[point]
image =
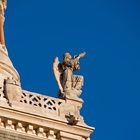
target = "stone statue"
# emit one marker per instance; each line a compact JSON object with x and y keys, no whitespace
{"x":69,"y":85}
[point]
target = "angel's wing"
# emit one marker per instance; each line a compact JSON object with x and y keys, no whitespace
{"x":57,"y":72}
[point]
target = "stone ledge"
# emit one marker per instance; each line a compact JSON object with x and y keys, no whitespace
{"x":13,"y":135}
{"x":14,"y":117}
{"x":36,"y":114}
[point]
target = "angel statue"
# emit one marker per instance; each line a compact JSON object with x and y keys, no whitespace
{"x":69,"y":85}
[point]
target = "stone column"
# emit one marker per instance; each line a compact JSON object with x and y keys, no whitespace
{"x":2,"y":39}
{"x":2,"y":18}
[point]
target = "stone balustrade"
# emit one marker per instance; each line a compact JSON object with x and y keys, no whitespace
{"x":45,"y":103}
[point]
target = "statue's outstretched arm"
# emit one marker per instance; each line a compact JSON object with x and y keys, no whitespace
{"x":80,"y":56}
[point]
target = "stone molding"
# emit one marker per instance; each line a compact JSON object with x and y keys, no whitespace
{"x":42,"y":127}
{"x":41,"y":116}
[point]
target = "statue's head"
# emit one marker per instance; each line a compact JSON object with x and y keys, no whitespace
{"x":67,"y":55}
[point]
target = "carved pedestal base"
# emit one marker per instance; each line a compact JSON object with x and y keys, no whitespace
{"x":71,"y":110}
{"x":12,"y":91}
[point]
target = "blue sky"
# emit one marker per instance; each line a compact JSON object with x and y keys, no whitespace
{"x":109,"y":31}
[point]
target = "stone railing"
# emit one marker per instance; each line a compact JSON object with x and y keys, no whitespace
{"x":13,"y":97}
{"x":44,"y":102}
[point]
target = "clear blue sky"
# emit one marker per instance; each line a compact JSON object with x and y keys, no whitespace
{"x":109,"y":31}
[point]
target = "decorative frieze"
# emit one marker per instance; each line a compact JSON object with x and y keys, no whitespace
{"x":33,"y":130}
{"x":24,"y":128}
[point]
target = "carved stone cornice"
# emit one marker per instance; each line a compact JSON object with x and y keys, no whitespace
{"x":38,"y":115}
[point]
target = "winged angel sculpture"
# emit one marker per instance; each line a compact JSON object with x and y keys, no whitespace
{"x":69,"y":85}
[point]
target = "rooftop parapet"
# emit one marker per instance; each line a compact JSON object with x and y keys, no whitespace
{"x":42,"y":116}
